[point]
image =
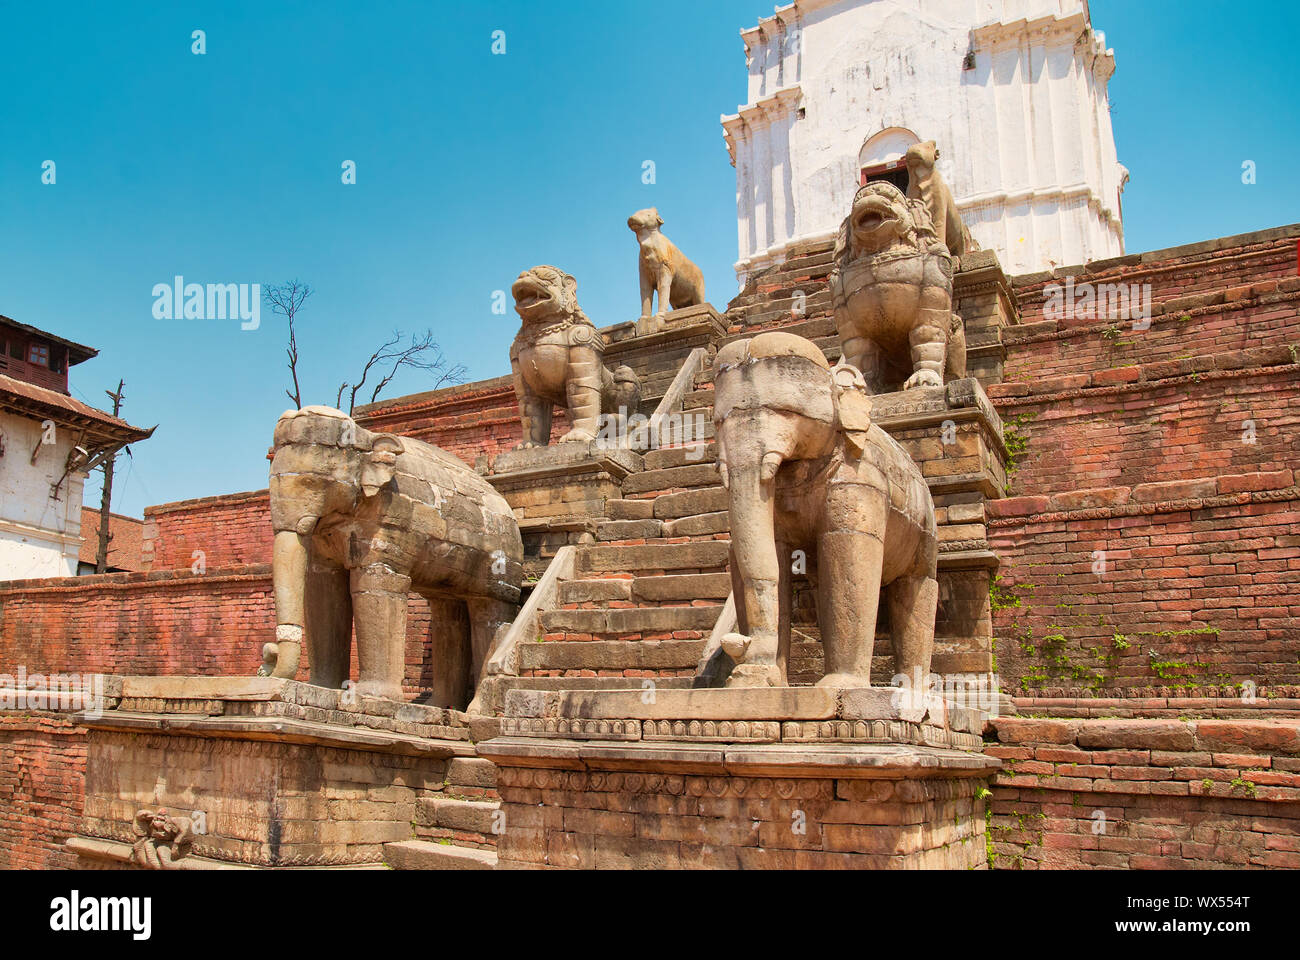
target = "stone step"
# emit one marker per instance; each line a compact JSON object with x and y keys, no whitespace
{"x":696,"y":556}
{"x":666,"y":458}
{"x":611,"y":655}
{"x":690,"y":503}
{"x":660,"y":589}
{"x":700,"y":525}
{"x":672,"y":478}
{"x":630,"y":509}
{"x":428,"y":855}
{"x":616,"y":621}
{"x":698,"y":400}
{"x":615,"y":530}
{"x":468,"y":816}
{"x":472,"y":772}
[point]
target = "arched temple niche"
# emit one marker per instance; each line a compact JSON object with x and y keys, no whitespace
{"x":884,"y":157}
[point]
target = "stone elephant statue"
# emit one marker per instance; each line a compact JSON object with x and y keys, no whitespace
{"x":361,"y":520}
{"x":805,"y":467}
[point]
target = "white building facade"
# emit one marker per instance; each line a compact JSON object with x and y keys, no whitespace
{"x":40,"y":506}
{"x":1014,"y":92}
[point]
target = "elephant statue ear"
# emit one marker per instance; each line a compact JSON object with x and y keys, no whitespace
{"x":380,"y":464}
{"x":854,"y":404}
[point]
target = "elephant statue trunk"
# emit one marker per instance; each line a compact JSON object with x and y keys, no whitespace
{"x":289,"y":561}
{"x":751,"y":491}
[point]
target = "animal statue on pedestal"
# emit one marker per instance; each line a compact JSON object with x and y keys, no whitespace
{"x":361,"y":521}
{"x":891,"y":290}
{"x":805,"y":468}
{"x":557,"y":359}
{"x":664,"y":269}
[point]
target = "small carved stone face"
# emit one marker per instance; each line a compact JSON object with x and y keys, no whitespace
{"x":880,"y":216}
{"x":645,"y":220}
{"x":543,"y":293}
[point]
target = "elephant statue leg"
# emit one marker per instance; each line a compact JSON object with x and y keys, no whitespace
{"x":486,"y":618}
{"x":850,"y":562}
{"x":449,"y":640}
{"x":913,"y":602}
{"x":329,"y":622}
{"x":379,"y":598}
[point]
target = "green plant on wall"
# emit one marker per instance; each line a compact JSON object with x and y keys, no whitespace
{"x":1016,"y":439}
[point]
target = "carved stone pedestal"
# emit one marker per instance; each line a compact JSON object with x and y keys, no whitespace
{"x":956,"y":437}
{"x":257,"y":772}
{"x":558,"y":494}
{"x":982,"y":297}
{"x":804,"y":778}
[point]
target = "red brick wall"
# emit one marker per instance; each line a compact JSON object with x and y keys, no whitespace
{"x":42,"y":768}
{"x":1200,"y":588}
{"x":478,"y":420}
{"x":168,"y":624}
{"x":229,"y":530}
{"x":1087,"y":430}
{"x":1146,"y":794}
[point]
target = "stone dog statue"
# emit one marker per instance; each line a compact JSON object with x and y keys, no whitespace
{"x":925,"y":183}
{"x":557,"y":359}
{"x":361,"y":521}
{"x":664,"y":269}
{"x":804,"y":467}
{"x":891,"y":288}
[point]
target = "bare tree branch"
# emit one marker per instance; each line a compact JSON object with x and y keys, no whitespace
{"x":286,"y":300}
{"x":421,"y":353}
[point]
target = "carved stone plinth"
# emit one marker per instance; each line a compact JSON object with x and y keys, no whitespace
{"x":956,"y":437}
{"x":982,"y":297}
{"x":558,"y":494}
{"x":778,"y":778}
{"x":257,"y":772}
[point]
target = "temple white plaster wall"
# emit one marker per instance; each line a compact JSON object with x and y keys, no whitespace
{"x":40,"y":536}
{"x":1013,"y":91}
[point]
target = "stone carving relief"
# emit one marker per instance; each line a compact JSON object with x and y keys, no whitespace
{"x":163,"y":839}
{"x":805,"y":469}
{"x":557,"y":358}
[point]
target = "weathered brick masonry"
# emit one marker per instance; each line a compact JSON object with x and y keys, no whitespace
{"x":1143,"y":793}
{"x":42,"y":772}
{"x":1166,"y":455}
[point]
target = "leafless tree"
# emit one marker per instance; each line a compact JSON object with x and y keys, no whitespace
{"x":421,"y":353}
{"x":286,"y":299}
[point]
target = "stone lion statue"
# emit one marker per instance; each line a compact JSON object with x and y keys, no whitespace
{"x":891,"y":287}
{"x":557,"y":359}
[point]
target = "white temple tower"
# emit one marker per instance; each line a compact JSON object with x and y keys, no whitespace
{"x":1013,"y":91}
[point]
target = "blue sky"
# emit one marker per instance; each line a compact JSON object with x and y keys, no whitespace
{"x":470,"y":167}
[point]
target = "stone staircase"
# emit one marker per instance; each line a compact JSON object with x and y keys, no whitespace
{"x":458,"y":830}
{"x":647,"y":593}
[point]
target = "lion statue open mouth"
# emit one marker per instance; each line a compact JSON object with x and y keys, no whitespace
{"x":892,"y":292}
{"x":557,"y":359}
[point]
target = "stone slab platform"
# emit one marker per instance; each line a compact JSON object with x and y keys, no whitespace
{"x":279,"y":774}
{"x":796,"y":715}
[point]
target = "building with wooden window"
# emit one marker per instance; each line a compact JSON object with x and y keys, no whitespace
{"x":49,"y":443}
